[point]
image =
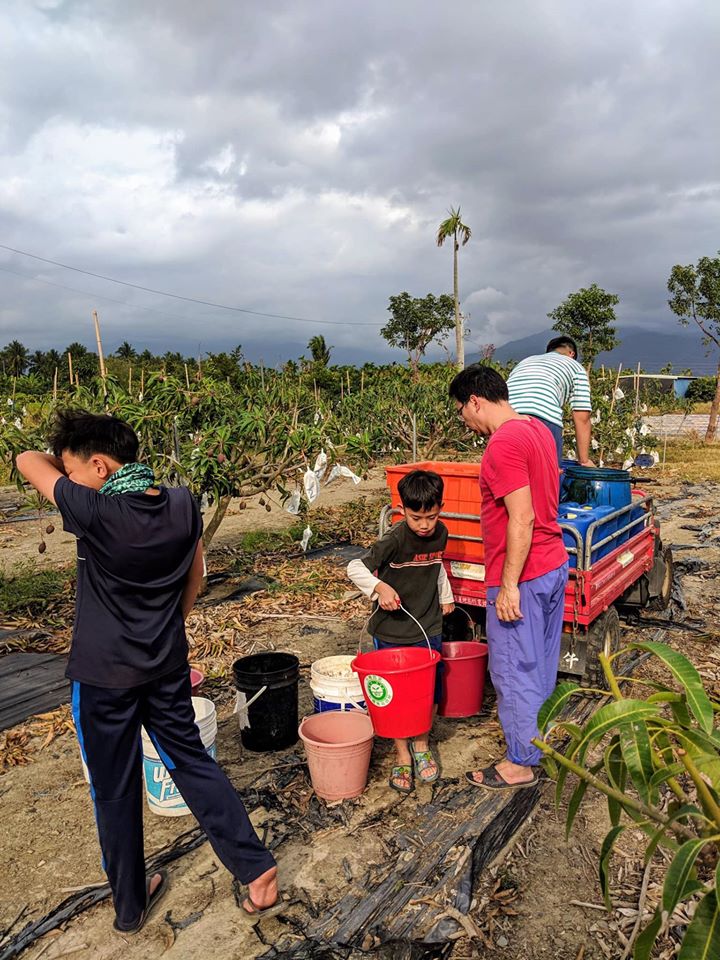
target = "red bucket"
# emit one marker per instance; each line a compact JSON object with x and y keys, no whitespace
{"x":463,"y":678}
{"x":399,"y":684}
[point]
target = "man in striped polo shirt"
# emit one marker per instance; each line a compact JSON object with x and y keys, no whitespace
{"x":540,"y":387}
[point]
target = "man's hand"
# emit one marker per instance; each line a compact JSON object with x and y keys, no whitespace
{"x":447,"y":608}
{"x":387,"y":596}
{"x":507,"y":605}
{"x":587,"y":463}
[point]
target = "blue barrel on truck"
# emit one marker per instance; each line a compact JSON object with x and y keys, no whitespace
{"x":596,"y":486}
{"x":581,"y":516}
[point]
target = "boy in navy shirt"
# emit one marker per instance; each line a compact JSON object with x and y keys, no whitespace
{"x":140,"y":564}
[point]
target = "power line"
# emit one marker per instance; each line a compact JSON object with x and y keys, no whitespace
{"x":93,"y":296}
{"x":177,"y":296}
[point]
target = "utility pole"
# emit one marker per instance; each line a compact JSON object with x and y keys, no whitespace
{"x":100,"y":350}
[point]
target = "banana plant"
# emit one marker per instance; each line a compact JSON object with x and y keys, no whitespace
{"x":656,"y":758}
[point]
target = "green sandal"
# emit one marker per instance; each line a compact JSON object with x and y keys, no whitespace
{"x":422,"y":761}
{"x":400,"y":772}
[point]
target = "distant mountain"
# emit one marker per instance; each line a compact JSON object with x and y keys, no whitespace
{"x":652,"y":349}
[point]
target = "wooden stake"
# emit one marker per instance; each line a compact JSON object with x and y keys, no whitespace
{"x":103,"y":374}
{"x":664,"y":450}
{"x":348,"y":381}
{"x":55,"y":384}
{"x":637,"y":390}
{"x":70,"y":369}
{"x":142,"y":380}
{"x":612,"y":405}
{"x":617,"y":381}
{"x":262,"y":374}
{"x":362,"y":381}
{"x":130,"y":378}
{"x":187,"y":376}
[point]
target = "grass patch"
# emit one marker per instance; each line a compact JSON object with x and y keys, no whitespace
{"x":267,"y":541}
{"x":29,"y":591}
{"x":692,"y":460}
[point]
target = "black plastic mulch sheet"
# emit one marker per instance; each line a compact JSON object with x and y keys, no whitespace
{"x":31,"y":683}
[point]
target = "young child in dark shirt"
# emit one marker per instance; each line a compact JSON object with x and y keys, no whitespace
{"x":140,"y":564}
{"x":405,"y":567}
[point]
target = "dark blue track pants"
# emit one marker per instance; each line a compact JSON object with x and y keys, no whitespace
{"x":108,"y":727}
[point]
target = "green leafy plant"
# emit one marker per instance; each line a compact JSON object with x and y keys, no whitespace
{"x":657,"y":760}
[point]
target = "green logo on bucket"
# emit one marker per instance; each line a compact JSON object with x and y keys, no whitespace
{"x":379,"y":691}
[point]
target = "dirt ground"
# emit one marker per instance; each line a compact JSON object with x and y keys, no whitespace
{"x":19,"y":541}
{"x":541,"y":900}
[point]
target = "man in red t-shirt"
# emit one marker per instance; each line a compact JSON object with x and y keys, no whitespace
{"x":526,"y":566}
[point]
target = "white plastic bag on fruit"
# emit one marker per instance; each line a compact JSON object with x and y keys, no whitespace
{"x":340,"y":471}
{"x":312,"y":487}
{"x":307,"y":534}
{"x":293,"y":504}
{"x":320,"y":465}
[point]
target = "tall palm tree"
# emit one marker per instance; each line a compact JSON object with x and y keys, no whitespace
{"x":16,"y":356}
{"x":126,"y":351}
{"x":460,"y":233}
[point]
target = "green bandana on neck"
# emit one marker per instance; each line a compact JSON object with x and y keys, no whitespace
{"x":130,"y":478}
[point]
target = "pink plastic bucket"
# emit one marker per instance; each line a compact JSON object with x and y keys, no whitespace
{"x":196,"y":681}
{"x":338,"y":747}
{"x":463,"y":678}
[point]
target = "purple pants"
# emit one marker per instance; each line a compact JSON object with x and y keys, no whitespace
{"x":523,"y":659}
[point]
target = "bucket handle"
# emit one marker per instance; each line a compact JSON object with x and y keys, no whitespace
{"x":405,"y":610}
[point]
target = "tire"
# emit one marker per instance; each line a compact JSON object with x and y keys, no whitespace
{"x":602,"y":637}
{"x":662,"y":601}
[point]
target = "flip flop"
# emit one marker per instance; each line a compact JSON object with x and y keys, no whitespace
{"x":401,"y":770}
{"x":261,"y":913}
{"x":421,"y":760}
{"x":492,"y":780}
{"x":152,"y":901}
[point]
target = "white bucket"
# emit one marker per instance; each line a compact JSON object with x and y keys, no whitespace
{"x":163,"y":796}
{"x":335,"y":685}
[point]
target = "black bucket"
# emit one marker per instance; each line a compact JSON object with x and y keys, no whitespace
{"x":273,"y":716}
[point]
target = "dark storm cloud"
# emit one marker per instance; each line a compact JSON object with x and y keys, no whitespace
{"x":297,"y":157}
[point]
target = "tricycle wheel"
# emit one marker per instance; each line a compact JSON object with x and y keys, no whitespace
{"x":662,"y":600}
{"x":602,"y":637}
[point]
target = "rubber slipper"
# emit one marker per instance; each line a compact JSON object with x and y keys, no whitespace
{"x":152,"y":901}
{"x":402,"y":770}
{"x":421,"y":759}
{"x":261,"y":913}
{"x":492,"y":780}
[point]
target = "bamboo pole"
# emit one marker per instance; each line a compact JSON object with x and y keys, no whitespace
{"x":612,"y":407}
{"x":130,"y":378}
{"x":362,"y":381}
{"x":637,"y":389}
{"x":103,"y":374}
{"x":187,"y":376}
{"x":348,"y":381}
{"x":142,"y":380}
{"x":55,"y":378}
{"x":70,"y":369}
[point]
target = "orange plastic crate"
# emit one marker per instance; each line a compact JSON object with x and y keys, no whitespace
{"x":462,"y":496}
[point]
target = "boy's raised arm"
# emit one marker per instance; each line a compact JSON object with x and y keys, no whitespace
{"x":42,"y":470}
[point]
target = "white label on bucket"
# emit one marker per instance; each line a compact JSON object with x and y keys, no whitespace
{"x":378,"y":690}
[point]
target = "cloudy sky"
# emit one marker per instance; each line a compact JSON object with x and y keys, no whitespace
{"x":295,"y":157}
